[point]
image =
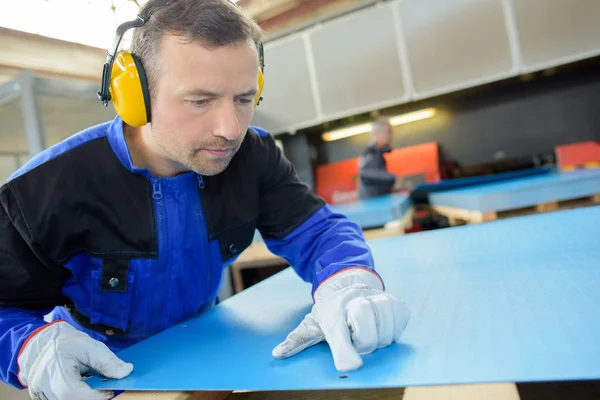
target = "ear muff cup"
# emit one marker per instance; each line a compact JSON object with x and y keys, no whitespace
{"x":261,"y":84}
{"x":144,"y":83}
{"x":129,"y":90}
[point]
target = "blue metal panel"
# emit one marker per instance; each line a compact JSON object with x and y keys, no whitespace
{"x":508,"y":301}
{"x":521,"y":192}
{"x":420,"y":193}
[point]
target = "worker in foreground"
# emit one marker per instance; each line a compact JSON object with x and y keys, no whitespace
{"x":124,"y":229}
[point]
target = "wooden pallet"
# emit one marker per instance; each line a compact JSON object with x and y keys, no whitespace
{"x":255,"y":256}
{"x":458,"y":216}
{"x":393,"y":228}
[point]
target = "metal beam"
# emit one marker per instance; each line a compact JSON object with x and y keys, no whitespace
{"x":48,"y":56}
{"x":17,"y":163}
{"x":9,"y":91}
{"x":258,"y":8}
{"x":32,"y":113}
{"x":63,"y":87}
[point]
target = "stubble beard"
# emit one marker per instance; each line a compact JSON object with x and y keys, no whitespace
{"x":190,"y":160}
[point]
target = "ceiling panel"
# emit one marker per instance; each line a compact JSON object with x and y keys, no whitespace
{"x":288,"y":95}
{"x":556,"y":31}
{"x":455,"y":44}
{"x":357,"y":62}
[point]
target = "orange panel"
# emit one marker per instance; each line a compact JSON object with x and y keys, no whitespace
{"x":337,"y":182}
{"x":421,"y":159}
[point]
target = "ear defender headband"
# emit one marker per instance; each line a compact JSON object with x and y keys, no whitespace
{"x":124,"y":81}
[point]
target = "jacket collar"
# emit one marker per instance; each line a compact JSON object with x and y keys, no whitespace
{"x":117,"y":140}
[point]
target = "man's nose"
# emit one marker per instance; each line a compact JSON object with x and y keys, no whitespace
{"x":226,"y":123}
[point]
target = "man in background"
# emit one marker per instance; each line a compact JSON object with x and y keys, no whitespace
{"x":374,"y":179}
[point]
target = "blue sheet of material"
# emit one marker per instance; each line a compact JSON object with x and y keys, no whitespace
{"x":375,"y":211}
{"x":522,"y":192}
{"x":514,"y":300}
{"x":421,"y":192}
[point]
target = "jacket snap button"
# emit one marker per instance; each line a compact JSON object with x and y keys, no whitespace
{"x":113,"y":282}
{"x":109,"y":332}
{"x":233,"y":249}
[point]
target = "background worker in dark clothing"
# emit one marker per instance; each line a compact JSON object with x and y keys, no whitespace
{"x":374,"y":179}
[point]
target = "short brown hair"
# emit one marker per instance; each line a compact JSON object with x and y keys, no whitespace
{"x":214,"y":23}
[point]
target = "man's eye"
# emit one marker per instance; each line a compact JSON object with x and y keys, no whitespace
{"x":245,"y":101}
{"x":200,"y":102}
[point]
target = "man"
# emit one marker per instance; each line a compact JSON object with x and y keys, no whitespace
{"x":374,"y":179}
{"x":123,"y":231}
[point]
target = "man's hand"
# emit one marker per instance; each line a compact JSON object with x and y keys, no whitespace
{"x":399,"y":184}
{"x":351,"y":313}
{"x":52,"y":361}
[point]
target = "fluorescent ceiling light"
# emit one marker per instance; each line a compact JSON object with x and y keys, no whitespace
{"x":366,"y":128}
{"x":412,"y":117}
{"x":346,"y":132}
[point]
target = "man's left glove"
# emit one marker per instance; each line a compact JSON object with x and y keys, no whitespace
{"x":353,"y":314}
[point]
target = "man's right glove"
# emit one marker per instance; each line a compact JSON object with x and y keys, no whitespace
{"x":52,"y":361}
{"x":353,"y":314}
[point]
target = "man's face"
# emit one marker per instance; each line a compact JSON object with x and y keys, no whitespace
{"x":203,"y":103}
{"x":383,"y":136}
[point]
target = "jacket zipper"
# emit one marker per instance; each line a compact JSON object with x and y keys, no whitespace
{"x":162,"y":244}
{"x":203,"y":233}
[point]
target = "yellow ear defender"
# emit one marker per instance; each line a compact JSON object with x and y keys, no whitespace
{"x":261,"y":77}
{"x":124,"y":81}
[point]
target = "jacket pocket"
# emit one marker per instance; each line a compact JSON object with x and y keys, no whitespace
{"x":234,"y":241}
{"x":112,"y":294}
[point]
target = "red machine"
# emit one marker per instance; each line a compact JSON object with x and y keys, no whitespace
{"x":578,"y":155}
{"x":338,"y":182}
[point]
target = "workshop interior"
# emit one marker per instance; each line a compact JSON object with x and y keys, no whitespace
{"x":482,"y":209}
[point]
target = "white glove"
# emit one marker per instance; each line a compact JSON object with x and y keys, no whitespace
{"x":353,"y":314}
{"x":52,"y":361}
